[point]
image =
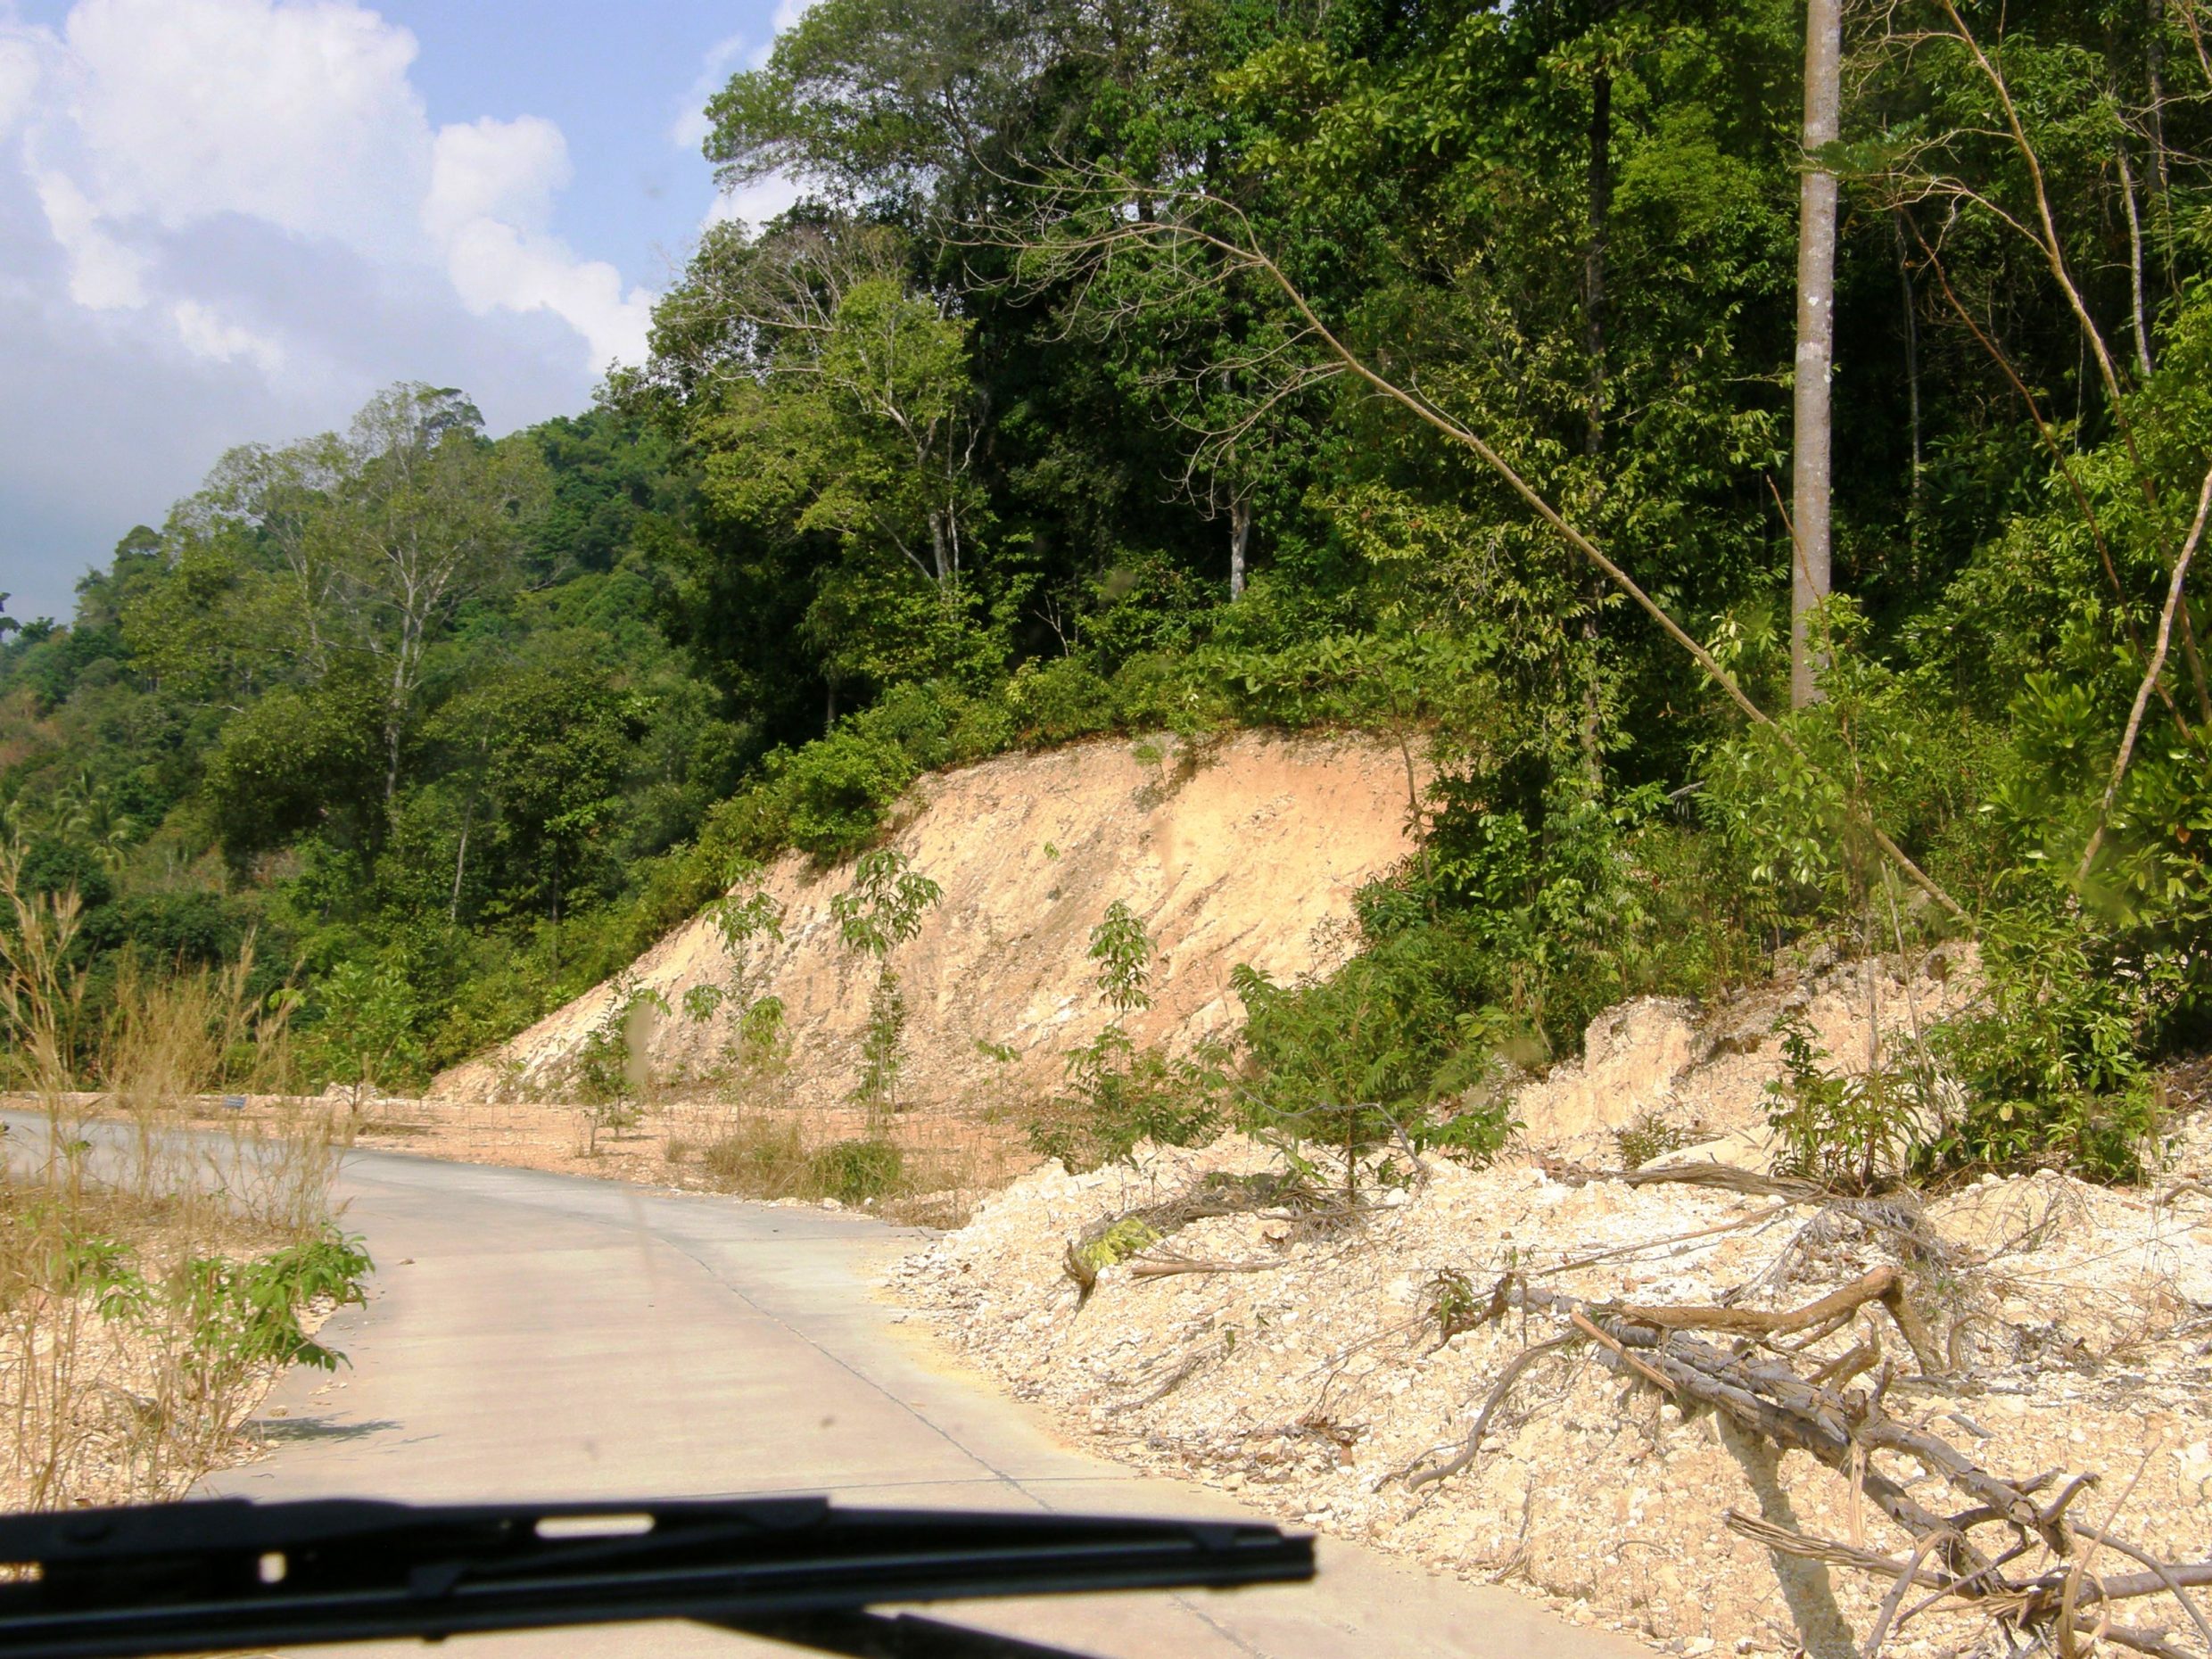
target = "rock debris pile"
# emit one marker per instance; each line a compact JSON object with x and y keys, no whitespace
{"x":1202,"y":1313}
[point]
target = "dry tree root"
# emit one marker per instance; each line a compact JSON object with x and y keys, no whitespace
{"x":1960,"y":1558}
{"x":1424,"y":1474}
{"x":1083,"y":1275}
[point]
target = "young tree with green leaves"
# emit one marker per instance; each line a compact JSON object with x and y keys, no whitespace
{"x":882,"y":910}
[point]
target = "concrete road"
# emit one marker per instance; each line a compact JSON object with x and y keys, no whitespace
{"x":534,"y":1335}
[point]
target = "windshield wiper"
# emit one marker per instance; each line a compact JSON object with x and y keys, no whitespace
{"x":227,"y":1573}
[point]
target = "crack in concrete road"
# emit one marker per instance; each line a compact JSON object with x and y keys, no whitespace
{"x":532,"y":1336}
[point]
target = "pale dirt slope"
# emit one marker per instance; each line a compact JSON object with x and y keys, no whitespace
{"x":1247,"y":851}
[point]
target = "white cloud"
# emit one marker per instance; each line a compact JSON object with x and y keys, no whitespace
{"x":787,"y":14}
{"x":689,"y":130}
{"x":20,"y":55}
{"x":298,"y":114}
{"x":496,"y":267}
{"x":491,"y":194}
{"x":103,"y":276}
{"x":761,"y":200}
{"x":757,"y":203}
{"x":227,"y":221}
{"x":491,"y":168}
{"x":205,"y":335}
{"x":147,"y":119}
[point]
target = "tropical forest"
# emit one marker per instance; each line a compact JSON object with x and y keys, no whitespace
{"x":1756,"y":457}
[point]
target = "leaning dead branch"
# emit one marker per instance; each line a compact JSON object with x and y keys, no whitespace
{"x":1167,"y":1267}
{"x":1084,"y":227}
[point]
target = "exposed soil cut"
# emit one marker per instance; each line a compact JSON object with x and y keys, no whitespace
{"x":1246,"y":850}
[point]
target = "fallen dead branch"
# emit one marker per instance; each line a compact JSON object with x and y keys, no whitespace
{"x":1728,"y":1177}
{"x":1884,"y":1284}
{"x":1756,"y":1218}
{"x":1167,"y":1267}
{"x":1961,"y":1557}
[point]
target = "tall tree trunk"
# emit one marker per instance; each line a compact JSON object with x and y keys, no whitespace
{"x":2154,"y":78}
{"x":2134,"y":261}
{"x":1916,"y":502}
{"x":460,"y":863}
{"x":1810,"y":473}
{"x":1240,"y":541}
{"x":940,"y":550}
{"x":1594,"y":251}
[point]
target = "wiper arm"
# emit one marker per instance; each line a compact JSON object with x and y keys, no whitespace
{"x":224,"y":1574}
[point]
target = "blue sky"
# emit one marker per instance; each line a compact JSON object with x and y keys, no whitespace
{"x":232,"y":220}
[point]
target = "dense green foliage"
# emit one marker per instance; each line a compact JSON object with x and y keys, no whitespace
{"x":1004,"y":437}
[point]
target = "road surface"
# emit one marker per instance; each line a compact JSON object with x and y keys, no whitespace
{"x":532,"y":1336}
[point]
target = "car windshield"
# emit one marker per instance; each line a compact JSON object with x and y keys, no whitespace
{"x":1189,"y":828}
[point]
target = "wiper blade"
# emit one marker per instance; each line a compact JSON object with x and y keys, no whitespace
{"x":228,"y":1573}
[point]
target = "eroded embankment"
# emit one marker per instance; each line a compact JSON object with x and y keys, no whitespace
{"x":1245,"y":850}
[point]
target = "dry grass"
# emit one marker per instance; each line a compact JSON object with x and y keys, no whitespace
{"x":748,"y":1147}
{"x":926,"y":1167}
{"x":153,"y":1272}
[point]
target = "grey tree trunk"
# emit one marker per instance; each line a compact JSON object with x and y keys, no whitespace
{"x":2154,"y":78}
{"x":940,"y":549}
{"x":1593,"y":253}
{"x":460,"y":863}
{"x":1915,"y":511}
{"x":1810,"y":472}
{"x":2135,"y":262}
{"x":1240,"y":541}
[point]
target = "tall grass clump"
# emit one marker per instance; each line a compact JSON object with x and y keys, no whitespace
{"x":154,"y":1274}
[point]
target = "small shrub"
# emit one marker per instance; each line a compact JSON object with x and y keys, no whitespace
{"x":1455,"y":1304}
{"x":759,"y":1052}
{"x":1059,"y":701}
{"x":882,"y":910}
{"x":1851,"y":1134}
{"x":882,"y":1047}
{"x":829,"y":798}
{"x":365,"y":1035}
{"x":245,"y":1314}
{"x":1123,"y":952}
{"x":1119,"y":1095}
{"x":856,"y":1172}
{"x":2054,"y":1073}
{"x":1472,"y":1136}
{"x":1126,"y":1238}
{"x":746,"y":913}
{"x":1334,"y":1064}
{"x":612,"y":1066}
{"x":1156,"y":691}
{"x":1650,"y":1134}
